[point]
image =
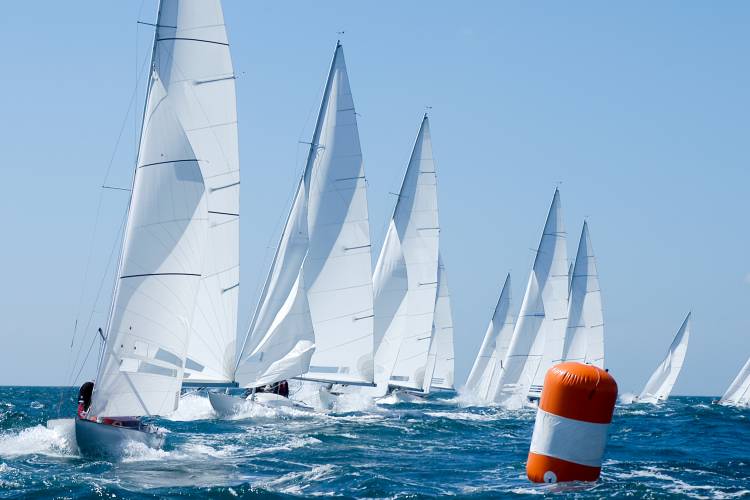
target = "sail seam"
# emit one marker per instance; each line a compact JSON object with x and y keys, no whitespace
{"x":191,"y":40}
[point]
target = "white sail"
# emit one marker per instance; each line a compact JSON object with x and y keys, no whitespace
{"x":738,"y":393}
{"x":488,"y":363}
{"x":319,"y":288}
{"x":584,"y":340}
{"x":440,"y":364}
{"x":539,"y":333}
{"x":659,"y":386}
{"x":486,"y":357}
{"x":338,"y":266}
{"x":281,"y":338}
{"x":161,"y":265}
{"x":195,"y":67}
{"x":405,"y":277}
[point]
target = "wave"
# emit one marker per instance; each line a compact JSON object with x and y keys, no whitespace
{"x":192,"y":407}
{"x":38,"y":440}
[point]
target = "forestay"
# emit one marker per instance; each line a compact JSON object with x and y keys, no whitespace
{"x":738,"y":393}
{"x":660,"y":385}
{"x":440,"y":364}
{"x":195,"y":66}
{"x":405,"y":276}
{"x":539,"y":333}
{"x":584,"y":340}
{"x":161,"y":264}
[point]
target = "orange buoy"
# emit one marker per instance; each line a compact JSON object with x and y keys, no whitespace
{"x":570,"y":432}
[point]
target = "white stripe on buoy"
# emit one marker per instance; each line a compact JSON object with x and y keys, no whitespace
{"x":567,"y":439}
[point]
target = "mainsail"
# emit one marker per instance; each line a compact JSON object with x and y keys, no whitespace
{"x":406,"y":275}
{"x":319,"y":288}
{"x":584,"y":340}
{"x":489,"y":361}
{"x":738,"y":393}
{"x":659,"y":386}
{"x":195,"y":67}
{"x":440,"y":364}
{"x":539,"y":333}
{"x":164,"y":246}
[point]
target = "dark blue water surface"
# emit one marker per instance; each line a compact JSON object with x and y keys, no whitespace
{"x":684,"y":448}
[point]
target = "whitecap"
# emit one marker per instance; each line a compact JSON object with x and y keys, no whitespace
{"x":37,"y":440}
{"x":192,"y":407}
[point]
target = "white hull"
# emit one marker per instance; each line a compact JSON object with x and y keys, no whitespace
{"x":96,"y":439}
{"x":226,"y":406}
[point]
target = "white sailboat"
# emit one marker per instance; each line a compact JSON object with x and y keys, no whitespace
{"x":738,"y":393}
{"x":440,"y":360}
{"x":315,"y":316}
{"x":661,"y":382}
{"x":166,"y":255}
{"x":584,"y":340}
{"x":539,"y":333}
{"x":488,"y":365}
{"x":406,"y":277}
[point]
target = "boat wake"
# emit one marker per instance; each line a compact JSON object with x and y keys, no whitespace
{"x":192,"y":407}
{"x":38,"y":440}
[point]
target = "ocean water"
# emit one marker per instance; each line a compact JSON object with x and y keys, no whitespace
{"x":684,"y":448}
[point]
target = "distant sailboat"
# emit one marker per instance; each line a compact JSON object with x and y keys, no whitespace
{"x":539,"y":333}
{"x":406,"y":277}
{"x":440,"y":361}
{"x":169,"y":244}
{"x":488,"y":365}
{"x":584,"y":340}
{"x":660,"y":385}
{"x":315,"y":316}
{"x":738,"y":393}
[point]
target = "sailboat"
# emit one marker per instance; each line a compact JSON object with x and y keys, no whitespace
{"x":406,"y":277}
{"x":584,"y":340}
{"x":538,"y":337}
{"x":738,"y":393}
{"x":485,"y":372}
{"x":314,"y":320}
{"x":661,"y":382}
{"x":440,"y":359}
{"x":189,"y":122}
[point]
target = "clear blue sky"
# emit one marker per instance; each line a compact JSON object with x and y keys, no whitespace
{"x":640,"y":110}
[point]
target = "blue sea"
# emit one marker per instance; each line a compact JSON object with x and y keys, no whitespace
{"x":686,"y":448}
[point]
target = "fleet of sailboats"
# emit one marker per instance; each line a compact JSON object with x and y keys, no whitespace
{"x":323,"y":316}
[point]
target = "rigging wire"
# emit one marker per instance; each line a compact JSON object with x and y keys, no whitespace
{"x":97,"y":220}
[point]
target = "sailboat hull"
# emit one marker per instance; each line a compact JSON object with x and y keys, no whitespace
{"x":103,"y":440}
